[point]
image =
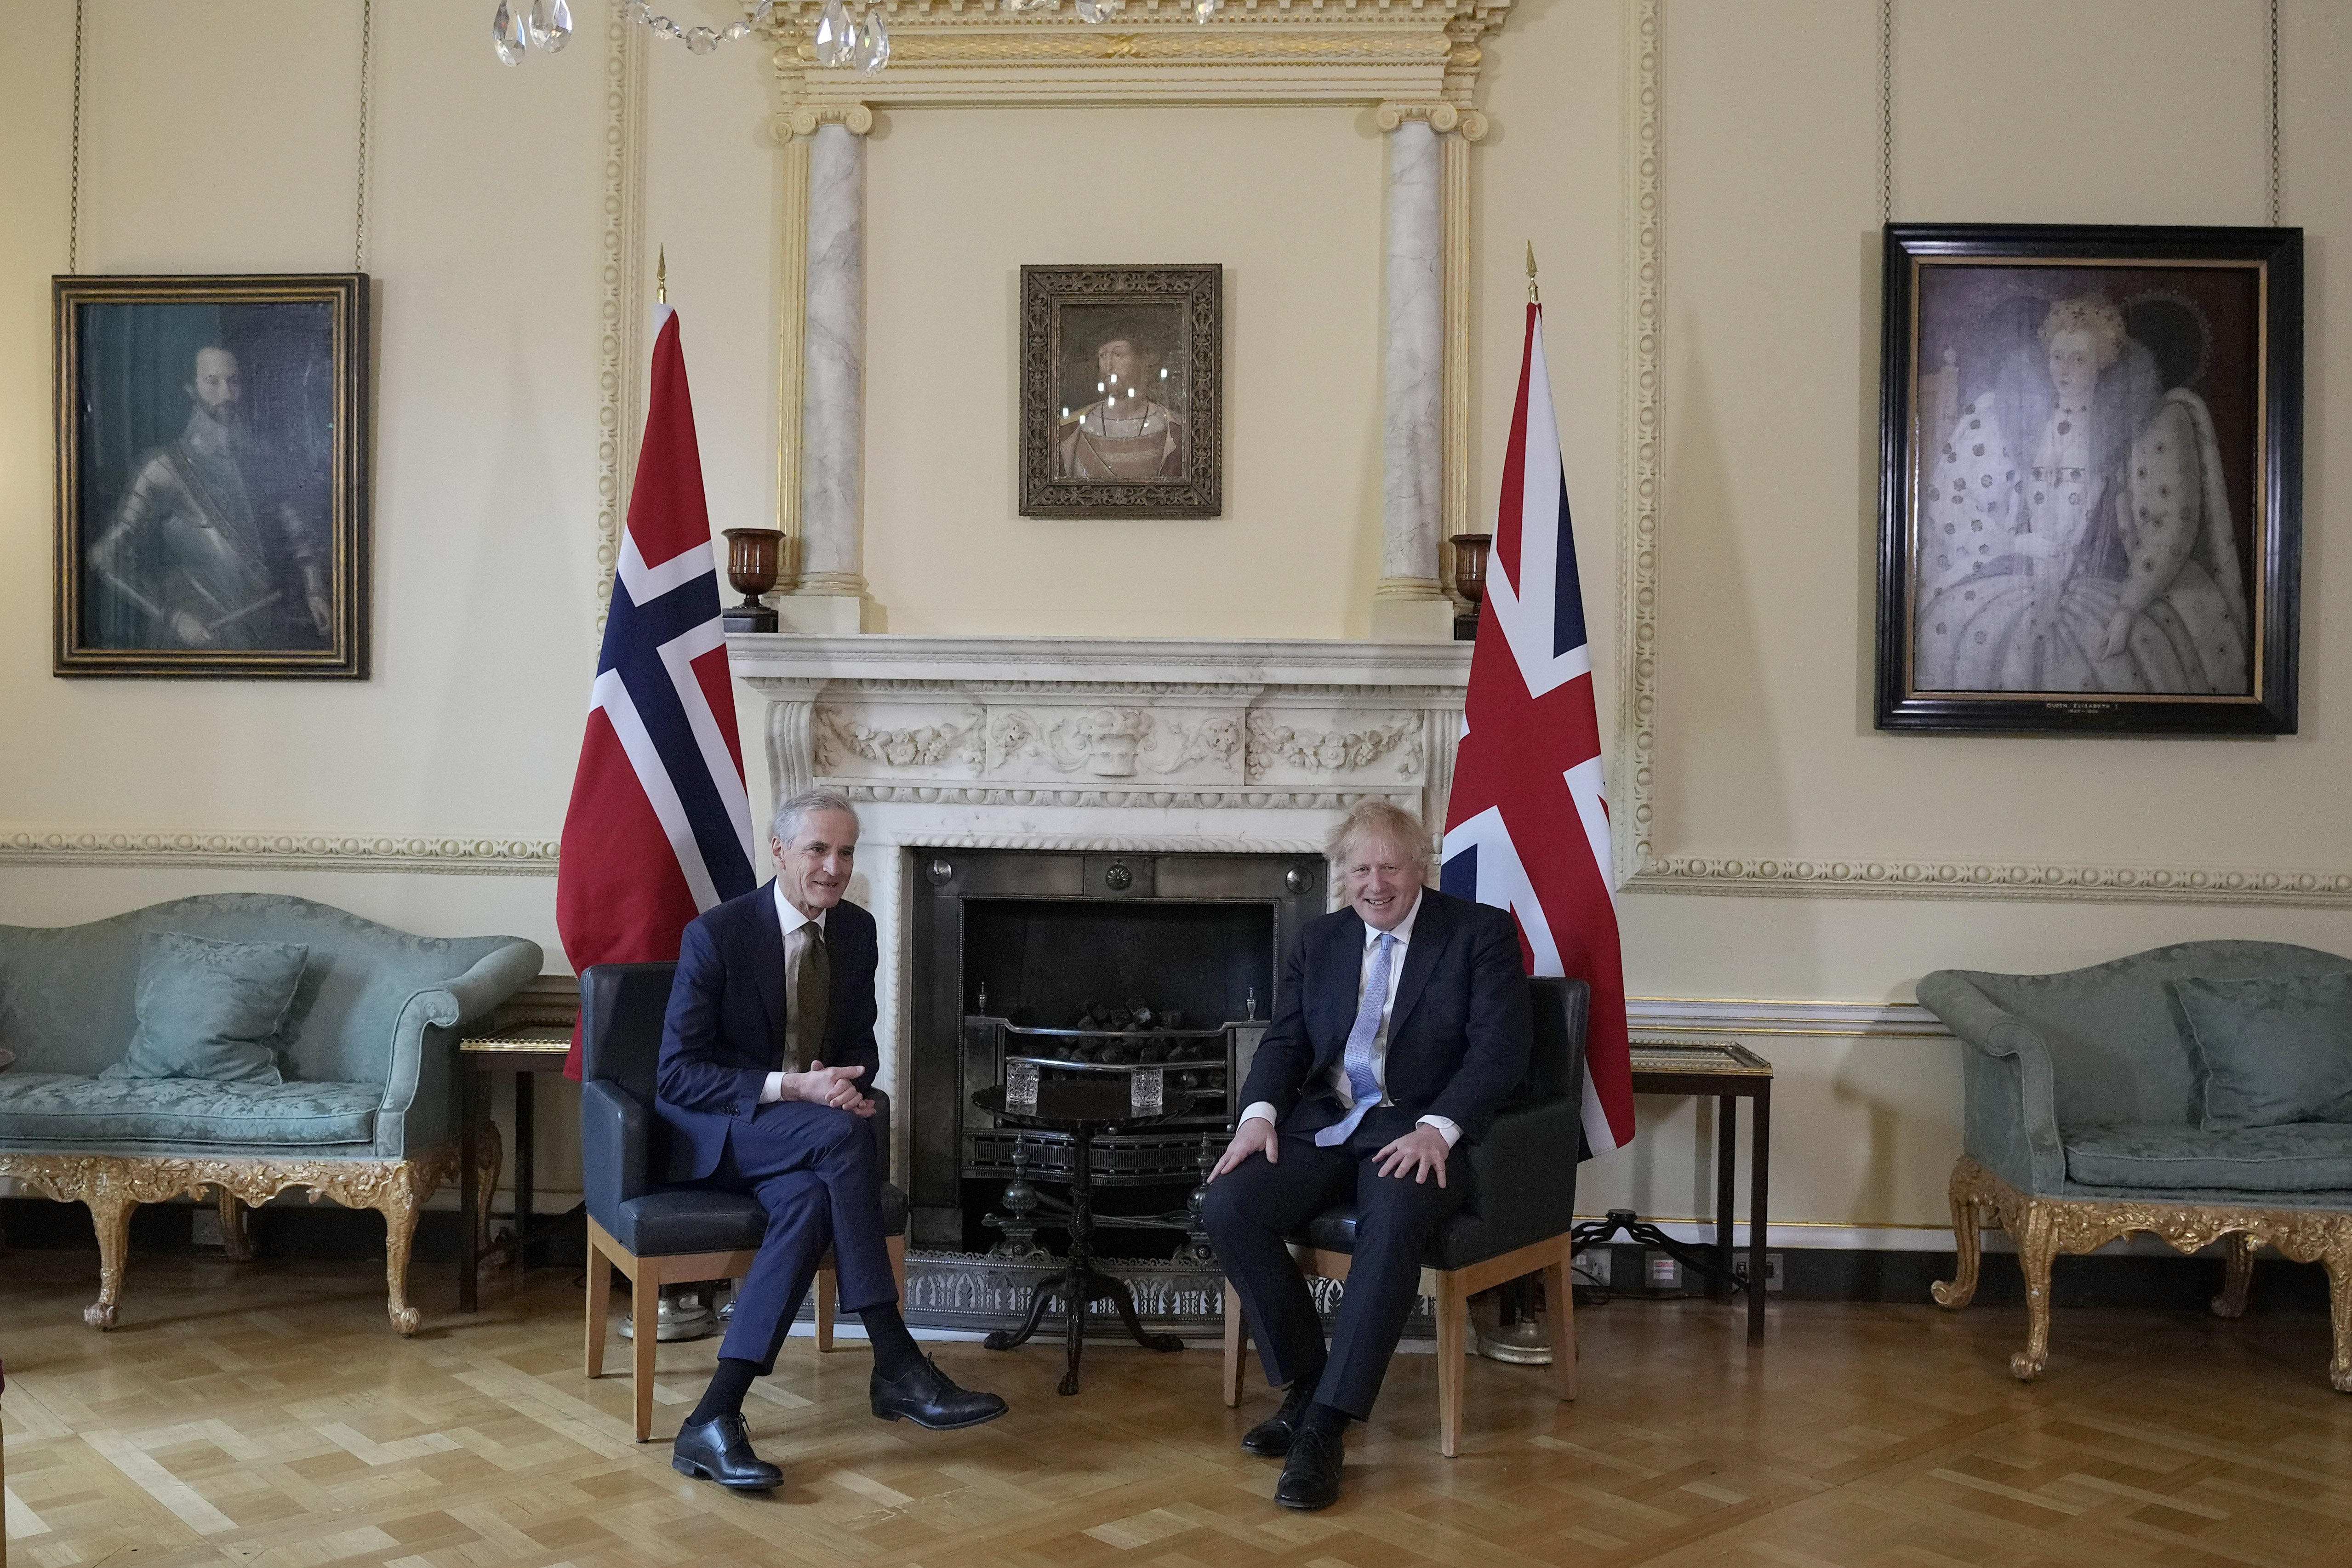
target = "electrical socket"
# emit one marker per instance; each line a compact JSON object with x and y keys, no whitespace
{"x":1772,"y":1270}
{"x":1662,"y":1271}
{"x":205,"y":1227}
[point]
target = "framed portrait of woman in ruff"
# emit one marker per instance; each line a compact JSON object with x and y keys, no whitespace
{"x":1122,"y":391}
{"x":2091,"y":476}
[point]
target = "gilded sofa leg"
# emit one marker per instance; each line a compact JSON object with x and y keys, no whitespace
{"x":492,"y":1152}
{"x":2338,"y":1260}
{"x":2037,"y":1248}
{"x":2237,"y":1276}
{"x":234,"y":1237}
{"x":397,"y":1203}
{"x":111,"y":1204}
{"x":1967,"y":1239}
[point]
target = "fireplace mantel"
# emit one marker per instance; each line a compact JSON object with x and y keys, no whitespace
{"x":1059,"y":742}
{"x":1096,"y":743}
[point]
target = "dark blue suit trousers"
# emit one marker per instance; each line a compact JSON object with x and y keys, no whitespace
{"x":814,"y":1170}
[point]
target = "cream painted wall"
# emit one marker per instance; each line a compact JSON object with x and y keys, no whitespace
{"x":221,"y":138}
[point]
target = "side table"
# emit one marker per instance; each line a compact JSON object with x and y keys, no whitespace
{"x":528,"y":1034}
{"x":1083,"y":1110}
{"x":1731,"y":1073}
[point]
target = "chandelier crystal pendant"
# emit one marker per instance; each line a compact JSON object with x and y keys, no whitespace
{"x":548,"y":27}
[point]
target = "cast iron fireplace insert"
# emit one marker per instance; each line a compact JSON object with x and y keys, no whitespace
{"x":1044,"y":937}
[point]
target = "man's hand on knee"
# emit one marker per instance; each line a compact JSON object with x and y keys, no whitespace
{"x":821,"y":1085}
{"x":1416,"y":1155}
{"x":1255,"y":1136}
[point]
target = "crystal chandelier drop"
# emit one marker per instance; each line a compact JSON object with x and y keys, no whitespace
{"x":840,"y":42}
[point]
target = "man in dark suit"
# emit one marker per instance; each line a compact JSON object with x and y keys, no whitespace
{"x":1401,"y":1027}
{"x":780,"y":976}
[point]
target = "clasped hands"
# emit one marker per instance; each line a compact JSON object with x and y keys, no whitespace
{"x":1420,"y":1152}
{"x":820,"y":1085}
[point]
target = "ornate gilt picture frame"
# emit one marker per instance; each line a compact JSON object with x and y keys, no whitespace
{"x":212,"y":437}
{"x":2091,"y":479}
{"x":1122,"y":391}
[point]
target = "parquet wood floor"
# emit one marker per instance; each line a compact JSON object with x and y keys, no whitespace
{"x":262,"y":1415}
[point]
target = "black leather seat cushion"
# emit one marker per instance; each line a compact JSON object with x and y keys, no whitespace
{"x":702,"y":1219}
{"x":1465,"y":1238}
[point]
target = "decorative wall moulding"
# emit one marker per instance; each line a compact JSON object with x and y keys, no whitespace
{"x":1154,"y":51}
{"x":284,"y":852}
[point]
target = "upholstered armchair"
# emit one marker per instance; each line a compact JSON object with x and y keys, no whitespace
{"x":2089,"y":1118}
{"x":366,"y":1114}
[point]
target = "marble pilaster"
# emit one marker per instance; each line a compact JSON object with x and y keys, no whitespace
{"x":1409,"y":600}
{"x":830,"y":595}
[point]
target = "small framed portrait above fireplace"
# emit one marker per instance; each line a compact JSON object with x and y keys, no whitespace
{"x":1122,"y":394}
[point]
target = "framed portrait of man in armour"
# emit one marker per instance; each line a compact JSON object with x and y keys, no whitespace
{"x":2091,"y":479}
{"x":1122,"y":391}
{"x":212,"y":475}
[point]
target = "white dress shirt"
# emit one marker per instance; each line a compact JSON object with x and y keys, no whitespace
{"x":1337,"y":1080}
{"x":796,"y":940}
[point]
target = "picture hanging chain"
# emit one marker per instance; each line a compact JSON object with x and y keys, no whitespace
{"x":367,"y":93}
{"x":2275,"y":113}
{"x":73,"y":197}
{"x":1887,"y":109}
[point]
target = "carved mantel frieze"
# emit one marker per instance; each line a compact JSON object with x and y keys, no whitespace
{"x":1056,"y":729}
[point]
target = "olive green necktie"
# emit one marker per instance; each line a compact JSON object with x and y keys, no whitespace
{"x":811,"y":991}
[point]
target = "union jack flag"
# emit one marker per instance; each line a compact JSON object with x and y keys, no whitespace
{"x":659,"y":827}
{"x":1527,"y":827}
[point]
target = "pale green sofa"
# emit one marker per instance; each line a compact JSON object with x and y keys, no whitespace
{"x":2083,"y":1125}
{"x":366,"y":1116}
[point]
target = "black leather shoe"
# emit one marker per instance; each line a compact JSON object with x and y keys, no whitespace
{"x":1272,"y":1435}
{"x":1310,"y":1476}
{"x":719,"y":1450}
{"x":926,"y":1397}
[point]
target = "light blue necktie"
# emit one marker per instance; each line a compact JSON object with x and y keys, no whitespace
{"x":1361,"y":1083}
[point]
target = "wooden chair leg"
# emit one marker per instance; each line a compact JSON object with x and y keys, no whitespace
{"x":600,"y":1303}
{"x":645,"y":1328}
{"x":1559,"y":1322}
{"x":825,"y":1301}
{"x":1453,"y":1348}
{"x":1236,"y":1346}
{"x":898,"y":1246}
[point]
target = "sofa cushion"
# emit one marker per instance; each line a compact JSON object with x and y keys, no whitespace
{"x":55,"y":1108}
{"x":2267,"y":1052}
{"x":2290,"y":1158}
{"x":210,"y":1010}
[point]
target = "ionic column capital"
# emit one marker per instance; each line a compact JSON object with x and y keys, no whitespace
{"x":1439,"y":115}
{"x":857,"y":119}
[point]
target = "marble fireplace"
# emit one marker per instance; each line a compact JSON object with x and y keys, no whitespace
{"x":1094,"y":748}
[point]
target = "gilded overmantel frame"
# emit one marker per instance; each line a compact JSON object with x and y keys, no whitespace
{"x":1406,"y":60}
{"x":1253,"y":52}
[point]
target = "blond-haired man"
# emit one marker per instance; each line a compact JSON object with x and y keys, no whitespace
{"x":1401,"y":1027}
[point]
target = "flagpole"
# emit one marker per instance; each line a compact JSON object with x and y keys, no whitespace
{"x":1532,"y":298}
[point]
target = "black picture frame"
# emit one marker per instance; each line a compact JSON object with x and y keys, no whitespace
{"x":212,"y":475}
{"x":1170,"y":322}
{"x":2158,"y":592}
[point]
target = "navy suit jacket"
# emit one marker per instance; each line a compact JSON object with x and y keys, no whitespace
{"x":725,"y":1030}
{"x":1458,"y":1034}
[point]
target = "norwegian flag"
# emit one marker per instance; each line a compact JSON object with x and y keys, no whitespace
{"x":1527,"y":827}
{"x":660,"y":826}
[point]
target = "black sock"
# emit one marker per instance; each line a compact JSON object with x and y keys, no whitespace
{"x":728,"y":1387}
{"x":895,"y":1351}
{"x":1328,"y":1419}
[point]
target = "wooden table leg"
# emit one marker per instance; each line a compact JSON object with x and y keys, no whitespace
{"x":523,"y":1142}
{"x":1758,"y":1180}
{"x":1727,"y":1153}
{"x":469,"y":1187}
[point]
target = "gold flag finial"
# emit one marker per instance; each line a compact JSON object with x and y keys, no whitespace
{"x":1531,"y":273}
{"x":661,"y":273}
